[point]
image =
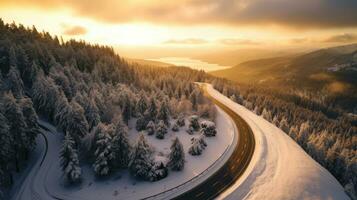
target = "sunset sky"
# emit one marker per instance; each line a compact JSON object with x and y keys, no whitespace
{"x":191,"y":25}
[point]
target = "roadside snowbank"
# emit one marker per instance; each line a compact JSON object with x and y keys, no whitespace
{"x":279,"y":169}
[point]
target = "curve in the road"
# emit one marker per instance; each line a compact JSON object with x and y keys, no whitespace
{"x":234,"y":167}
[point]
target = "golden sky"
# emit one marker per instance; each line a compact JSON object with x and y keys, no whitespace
{"x":191,"y":25}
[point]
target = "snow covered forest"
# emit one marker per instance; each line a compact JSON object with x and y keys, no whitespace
{"x":91,"y":94}
{"x":321,"y":128}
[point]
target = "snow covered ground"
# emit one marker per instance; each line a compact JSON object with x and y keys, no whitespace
{"x":47,"y":181}
{"x":279,"y":169}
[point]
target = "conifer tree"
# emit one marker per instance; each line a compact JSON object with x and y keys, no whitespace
{"x":150,"y":128}
{"x":31,"y":120}
{"x":121,"y":145}
{"x":266,"y":115}
{"x":141,"y":105}
{"x":103,"y":154}
{"x":197,"y":145}
{"x":6,"y":149}
{"x":303,"y":133}
{"x":175,"y":127}
{"x":193,"y":99}
{"x":176,"y":156}
{"x":194,"y":124}
{"x":44,"y":95}
{"x":152,"y":110}
{"x":181,"y":120}
{"x":62,"y":112}
{"x":141,"y":161}
{"x":283,"y":125}
{"x":91,"y":113}
{"x":77,"y":123}
{"x":141,"y":122}
{"x":69,"y":159}
{"x":126,"y":110}
{"x":17,"y":128}
{"x":161,"y":130}
{"x":208,"y":128}
{"x":164,"y":113}
{"x":14,"y":82}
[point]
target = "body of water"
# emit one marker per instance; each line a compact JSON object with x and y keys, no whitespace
{"x":192,"y":63}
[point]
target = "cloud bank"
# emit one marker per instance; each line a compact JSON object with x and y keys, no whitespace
{"x":290,"y":13}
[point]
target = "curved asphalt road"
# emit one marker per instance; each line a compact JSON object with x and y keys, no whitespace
{"x":235,"y":166}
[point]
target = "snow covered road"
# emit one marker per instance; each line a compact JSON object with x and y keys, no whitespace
{"x":280,"y":168}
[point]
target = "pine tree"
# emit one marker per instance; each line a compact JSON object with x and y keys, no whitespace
{"x":158,"y":172}
{"x":17,"y":125}
{"x":161,"y":130}
{"x":193,"y":99}
{"x":208,"y":128}
{"x":141,"y":123}
{"x":126,"y":110}
{"x":103,"y":154}
{"x":194,"y":123}
{"x":141,"y":161}
{"x":150,"y":128}
{"x":164,"y":113}
{"x":44,"y":95}
{"x":284,"y":125}
{"x":30,"y":74}
{"x":6,"y":150}
{"x":31,"y":119}
{"x":175,"y":127}
{"x":181,"y":120}
{"x":121,"y":146}
{"x":62,"y":112}
{"x":303,"y":133}
{"x":176,"y":156}
{"x":197,"y":146}
{"x":266,"y":115}
{"x":152,"y":110}
{"x":141,"y":105}
{"x":294,"y":132}
{"x":77,"y":123}
{"x":276,"y":121}
{"x":69,"y":159}
{"x":14,"y":82}
{"x":92,"y":114}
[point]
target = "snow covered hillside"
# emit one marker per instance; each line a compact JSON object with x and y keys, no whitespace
{"x":279,"y":169}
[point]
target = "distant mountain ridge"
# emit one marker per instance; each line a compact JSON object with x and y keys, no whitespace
{"x":333,"y":68}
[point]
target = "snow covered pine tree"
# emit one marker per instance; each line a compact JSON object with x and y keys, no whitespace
{"x":121,"y":146}
{"x":197,"y":145}
{"x":141,"y":161}
{"x":208,"y":128}
{"x":176,"y":156}
{"x":69,"y":159}
{"x":161,"y":130}
{"x":103,"y":154}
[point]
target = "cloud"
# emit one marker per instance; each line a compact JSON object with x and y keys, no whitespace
{"x":186,"y":41}
{"x":342,"y":38}
{"x":74,"y":30}
{"x":232,"y":41}
{"x":299,"y":40}
{"x":289,"y":13}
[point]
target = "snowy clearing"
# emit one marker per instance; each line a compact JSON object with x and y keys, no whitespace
{"x":279,"y":169}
